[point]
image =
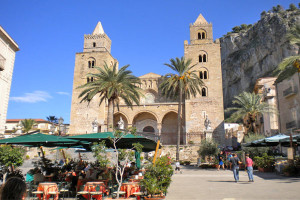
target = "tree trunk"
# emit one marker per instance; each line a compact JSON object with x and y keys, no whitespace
{"x":110,"y":115}
{"x":179,"y":123}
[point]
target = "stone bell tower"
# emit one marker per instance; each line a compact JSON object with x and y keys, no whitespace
{"x":205,"y":54}
{"x":88,"y":118}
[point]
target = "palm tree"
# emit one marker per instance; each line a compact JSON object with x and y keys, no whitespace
{"x":27,"y":124}
{"x":293,"y":37}
{"x":112,"y":85}
{"x":249,"y":106}
{"x":52,"y":119}
{"x":184,"y":83}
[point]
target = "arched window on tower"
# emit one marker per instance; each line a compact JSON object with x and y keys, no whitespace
{"x":199,"y":36}
{"x":200,"y":58}
{"x":92,"y":79}
{"x":203,"y":35}
{"x":87,"y":79}
{"x":93,"y":64}
{"x":204,"y":58}
{"x":90,"y":64}
{"x":205,"y":74}
{"x":204,"y":92}
{"x":94,"y":44}
{"x":201,"y":75}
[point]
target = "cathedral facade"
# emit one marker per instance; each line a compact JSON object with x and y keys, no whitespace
{"x":157,"y":115}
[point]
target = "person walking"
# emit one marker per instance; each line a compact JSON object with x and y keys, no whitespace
{"x":221,"y":163}
{"x":235,"y":161}
{"x":249,"y":165}
{"x":177,"y":167}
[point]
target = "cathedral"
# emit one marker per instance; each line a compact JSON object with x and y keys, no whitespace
{"x":202,"y":116}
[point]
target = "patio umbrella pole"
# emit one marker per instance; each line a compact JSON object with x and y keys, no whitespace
{"x":43,"y":156}
{"x":156,"y":150}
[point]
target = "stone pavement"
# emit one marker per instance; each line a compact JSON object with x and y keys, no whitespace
{"x":196,"y":183}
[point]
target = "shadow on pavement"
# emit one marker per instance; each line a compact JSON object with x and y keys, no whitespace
{"x":274,"y":176}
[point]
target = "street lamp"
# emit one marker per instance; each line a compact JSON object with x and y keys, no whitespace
{"x":60,"y":122}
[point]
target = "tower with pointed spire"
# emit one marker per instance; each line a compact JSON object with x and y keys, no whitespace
{"x":88,"y":118}
{"x":205,"y":55}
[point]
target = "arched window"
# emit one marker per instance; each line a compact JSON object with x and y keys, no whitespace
{"x":199,"y":36}
{"x":204,"y":92}
{"x":200,"y":58}
{"x":93,"y":64}
{"x":94,"y":44}
{"x":90,"y":64}
{"x":92,"y":79}
{"x":204,"y":58}
{"x":149,"y":129}
{"x":205,"y":75}
{"x":203,"y":35}
{"x":87,"y":79}
{"x":201,"y":75}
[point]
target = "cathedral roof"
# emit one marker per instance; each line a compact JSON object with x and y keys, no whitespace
{"x":98,"y":30}
{"x":150,"y":75}
{"x":200,"y":20}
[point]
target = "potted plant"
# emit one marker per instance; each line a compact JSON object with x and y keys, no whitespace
{"x":157,"y":179}
{"x":265,"y":163}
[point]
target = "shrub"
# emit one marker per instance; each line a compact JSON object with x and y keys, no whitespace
{"x":292,"y":7}
{"x":208,"y":148}
{"x":236,"y":29}
{"x":265,"y":161}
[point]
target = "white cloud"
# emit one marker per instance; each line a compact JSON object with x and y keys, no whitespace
{"x":33,"y":97}
{"x":63,"y":93}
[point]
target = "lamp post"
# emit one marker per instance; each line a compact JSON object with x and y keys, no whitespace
{"x":60,"y":122}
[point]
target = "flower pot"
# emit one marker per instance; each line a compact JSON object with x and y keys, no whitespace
{"x":154,"y":198}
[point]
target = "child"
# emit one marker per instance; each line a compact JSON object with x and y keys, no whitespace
{"x":177,"y":167}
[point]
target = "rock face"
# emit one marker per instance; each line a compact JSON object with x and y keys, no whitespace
{"x":256,"y":52}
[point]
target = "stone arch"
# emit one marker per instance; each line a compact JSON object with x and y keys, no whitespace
{"x":149,"y":97}
{"x":204,"y":91}
{"x":203,"y":73}
{"x":143,"y":119}
{"x":203,"y":57}
{"x":91,"y":62}
{"x":202,"y":34}
{"x":169,"y":128}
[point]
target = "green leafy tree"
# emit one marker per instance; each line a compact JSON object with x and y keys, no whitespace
{"x":292,"y":7}
{"x":208,"y":148}
{"x":182,"y":84}
{"x":157,"y":177}
{"x":122,"y":157}
{"x":100,"y":154}
{"x":11,"y":156}
{"x":254,"y":151}
{"x":249,"y":107}
{"x":112,"y":85}
{"x":27,"y":124}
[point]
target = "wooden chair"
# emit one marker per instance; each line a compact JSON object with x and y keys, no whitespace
{"x":36,"y":193}
{"x":97,"y":192}
{"x":52,"y":191}
{"x":81,"y":192}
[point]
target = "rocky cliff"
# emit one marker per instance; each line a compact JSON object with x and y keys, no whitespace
{"x":255,"y":52}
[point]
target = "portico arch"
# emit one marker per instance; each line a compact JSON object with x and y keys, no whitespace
{"x":146,"y":120}
{"x":169,"y":129}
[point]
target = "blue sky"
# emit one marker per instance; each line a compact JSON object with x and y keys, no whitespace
{"x":144,"y":34}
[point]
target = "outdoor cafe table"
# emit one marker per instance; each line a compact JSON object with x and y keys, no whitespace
{"x":44,"y":187}
{"x":130,"y":188}
{"x":91,"y":187}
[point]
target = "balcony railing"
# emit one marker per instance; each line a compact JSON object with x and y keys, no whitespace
{"x":290,"y":91}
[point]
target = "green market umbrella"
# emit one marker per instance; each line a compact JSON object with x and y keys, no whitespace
{"x":137,"y":159}
{"x":269,"y":141}
{"x":124,"y":143}
{"x":39,"y":139}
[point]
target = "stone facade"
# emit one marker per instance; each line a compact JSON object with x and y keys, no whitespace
{"x":156,"y":114}
{"x":289,"y":103}
{"x":267,"y":124}
{"x":8,"y":49}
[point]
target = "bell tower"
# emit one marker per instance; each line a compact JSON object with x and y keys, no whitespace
{"x":205,"y":55}
{"x":90,"y":117}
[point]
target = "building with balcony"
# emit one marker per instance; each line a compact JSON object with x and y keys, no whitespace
{"x":8,"y":49}
{"x":287,"y":86}
{"x":267,"y":124}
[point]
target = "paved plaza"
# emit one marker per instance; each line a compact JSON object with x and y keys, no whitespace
{"x":195,"y":183}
